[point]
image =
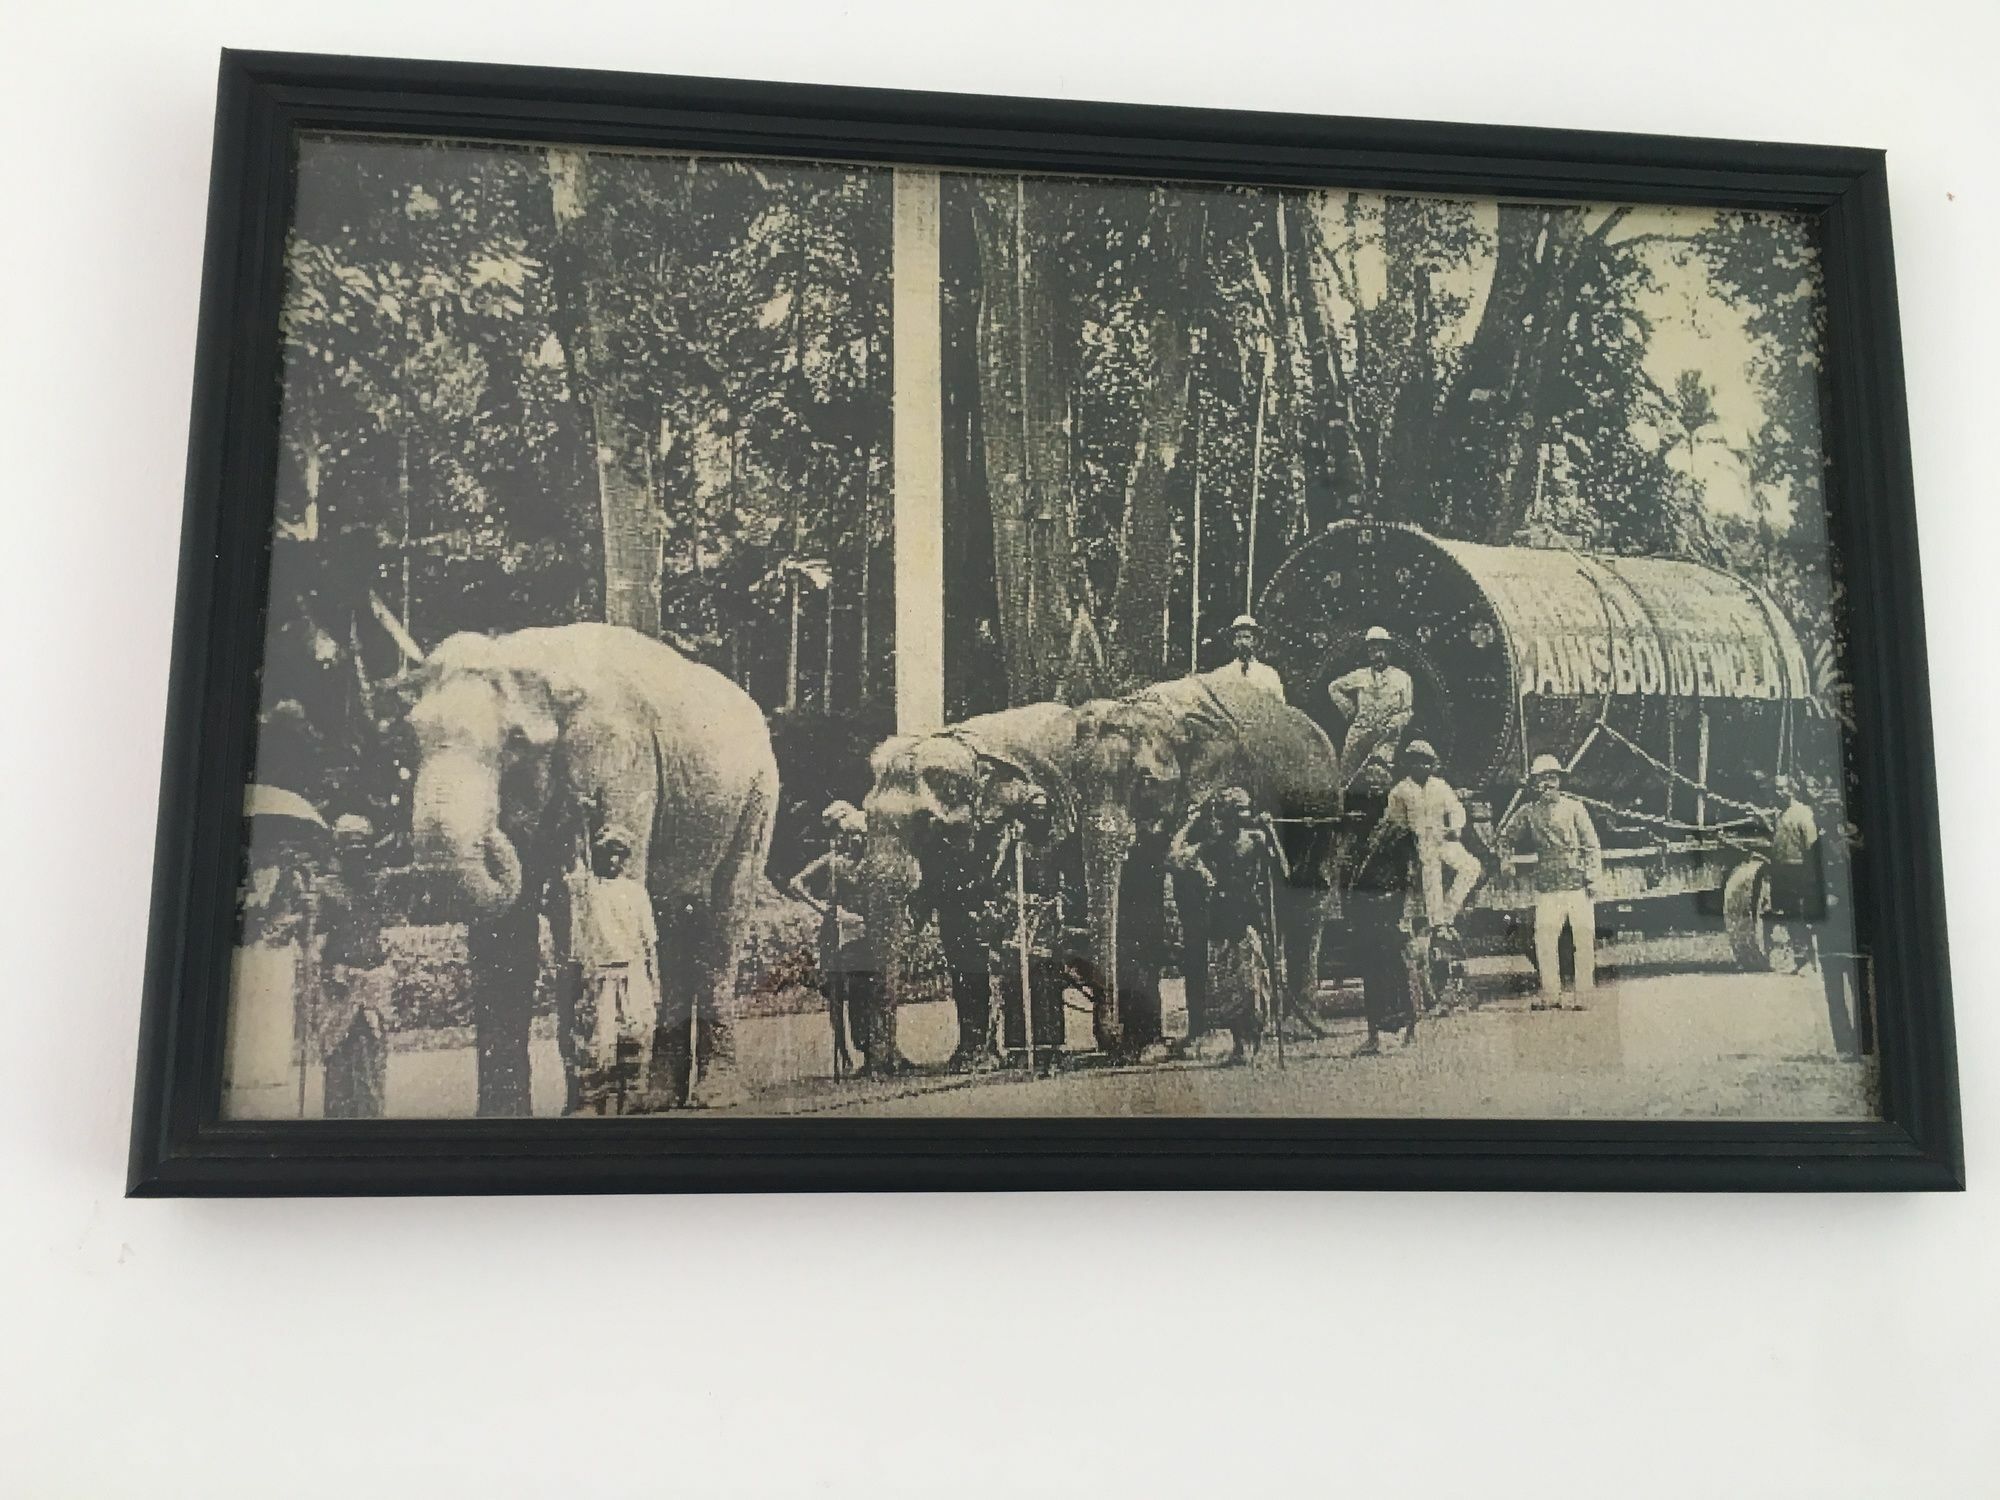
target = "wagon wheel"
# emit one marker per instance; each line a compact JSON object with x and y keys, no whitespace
{"x":1759,"y":941}
{"x":1443,"y":972}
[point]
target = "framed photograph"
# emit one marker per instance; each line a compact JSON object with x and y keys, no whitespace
{"x":738,"y":636}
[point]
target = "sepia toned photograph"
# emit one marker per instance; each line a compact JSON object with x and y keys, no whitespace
{"x":825,"y":640}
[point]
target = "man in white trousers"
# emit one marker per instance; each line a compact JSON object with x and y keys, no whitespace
{"x":1557,"y":830}
{"x":1425,"y":803}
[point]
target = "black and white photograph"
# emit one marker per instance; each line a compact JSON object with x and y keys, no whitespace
{"x":814,"y":639}
{"x":880,"y":751}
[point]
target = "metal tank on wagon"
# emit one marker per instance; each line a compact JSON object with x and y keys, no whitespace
{"x":1674,"y":692}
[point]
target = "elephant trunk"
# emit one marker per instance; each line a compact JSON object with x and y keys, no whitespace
{"x":891,"y":876}
{"x":1107,"y":836}
{"x":455,"y":827}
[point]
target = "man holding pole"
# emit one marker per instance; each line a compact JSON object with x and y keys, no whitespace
{"x":1028,"y":929}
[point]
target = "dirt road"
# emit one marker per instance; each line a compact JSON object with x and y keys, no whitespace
{"x":1673,"y":1032}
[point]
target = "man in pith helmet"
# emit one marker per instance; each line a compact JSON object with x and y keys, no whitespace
{"x":1555,"y":828}
{"x":1424,"y":802}
{"x":1375,"y":702}
{"x":1246,"y":639}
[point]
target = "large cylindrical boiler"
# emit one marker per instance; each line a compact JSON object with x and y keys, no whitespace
{"x":1623,"y":665}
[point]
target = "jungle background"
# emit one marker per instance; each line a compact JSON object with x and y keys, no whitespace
{"x":524,"y":386}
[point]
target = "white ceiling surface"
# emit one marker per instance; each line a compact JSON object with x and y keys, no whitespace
{"x":1091,"y":1345}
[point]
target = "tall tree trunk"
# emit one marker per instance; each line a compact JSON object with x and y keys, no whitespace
{"x":1292,"y":372}
{"x":864,"y":599}
{"x":1406,"y":445}
{"x":1146,"y":537}
{"x":1024,"y":368}
{"x":1352,"y":477}
{"x":1499,"y":407}
{"x":633,"y":529}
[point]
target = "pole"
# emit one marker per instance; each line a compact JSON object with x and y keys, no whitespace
{"x":917,"y":450}
{"x":1021,"y":942}
{"x":1273,"y":960}
{"x":1194,"y":583}
{"x":792,"y":654}
{"x":1701,"y":772}
{"x":1256,"y":480}
{"x":836,"y":990}
{"x":826,"y":668}
{"x":307,"y":1009}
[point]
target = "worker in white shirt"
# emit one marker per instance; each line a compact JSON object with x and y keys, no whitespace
{"x":615,"y":940}
{"x":1376,"y":702}
{"x":1425,"y":803}
{"x":1246,"y":636}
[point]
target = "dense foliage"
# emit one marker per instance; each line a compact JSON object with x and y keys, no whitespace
{"x":525,"y":386}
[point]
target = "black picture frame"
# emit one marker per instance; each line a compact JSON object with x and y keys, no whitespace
{"x":180,"y":1146}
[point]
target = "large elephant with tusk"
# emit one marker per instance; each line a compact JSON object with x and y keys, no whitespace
{"x":1140,"y":763}
{"x":526,"y":743}
{"x":930,"y":815}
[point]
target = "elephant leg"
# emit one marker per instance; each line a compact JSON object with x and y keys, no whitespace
{"x":1142,"y":931}
{"x":503,"y":957}
{"x":971,"y":990}
{"x":670,"y":1073}
{"x":875,"y":1031}
{"x":1191,"y":902}
{"x":1302,"y":916}
{"x":569,"y":981}
{"x":569,"y":1040}
{"x":717,"y":941}
{"x":843,"y":1017}
{"x":712,"y":987}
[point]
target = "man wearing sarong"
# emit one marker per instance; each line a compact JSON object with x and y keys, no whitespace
{"x":1234,"y":853}
{"x":832,"y":886}
{"x":1378,"y":885}
{"x":353,"y":987}
{"x":1375,"y":702}
{"x":1028,"y":825}
{"x":616,"y":944}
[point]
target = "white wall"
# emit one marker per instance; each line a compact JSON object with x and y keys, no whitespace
{"x":1151,"y":1345}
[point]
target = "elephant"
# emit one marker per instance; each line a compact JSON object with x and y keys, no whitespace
{"x":930,"y":813}
{"x":1140,"y":764}
{"x":529,"y":743}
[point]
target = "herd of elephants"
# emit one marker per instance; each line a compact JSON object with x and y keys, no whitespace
{"x":524,"y":739}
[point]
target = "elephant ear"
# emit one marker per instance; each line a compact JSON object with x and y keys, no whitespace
{"x":889,"y":756}
{"x":535,"y":709}
{"x":391,"y":699}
